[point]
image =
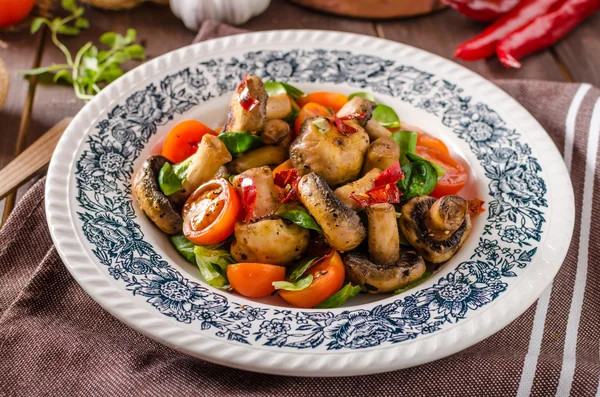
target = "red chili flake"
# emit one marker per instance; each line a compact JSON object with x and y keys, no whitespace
{"x":476,"y":206}
{"x":248,"y":198}
{"x":381,"y":194}
{"x":392,"y":175}
{"x":246,"y":100}
{"x":286,"y":178}
{"x":344,"y":128}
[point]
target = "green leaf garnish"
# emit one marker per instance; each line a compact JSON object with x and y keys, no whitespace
{"x":365,"y":95}
{"x":424,"y":277}
{"x":299,"y":285}
{"x":239,"y":142}
{"x":184,"y":246}
{"x":340,"y":297}
{"x":441,"y":171}
{"x":299,"y":215}
{"x":420,"y":179}
{"x":212,"y":262}
{"x":301,"y":267}
{"x":407,"y":142}
{"x":172,"y":177}
{"x":386,"y":116}
{"x":276,"y":88}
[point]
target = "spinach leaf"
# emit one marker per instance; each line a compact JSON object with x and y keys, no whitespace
{"x":275,"y":88}
{"x":424,"y":277}
{"x":184,"y":246}
{"x":340,"y":297}
{"x":420,"y":179}
{"x":365,"y":95}
{"x":386,"y":116}
{"x":172,"y":177}
{"x":239,"y":142}
{"x":301,"y":268}
{"x":299,"y":285}
{"x":441,"y":171}
{"x":212,"y":261}
{"x":299,"y":215}
{"x":407,"y":142}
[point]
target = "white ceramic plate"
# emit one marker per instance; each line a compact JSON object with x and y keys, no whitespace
{"x":130,"y":269}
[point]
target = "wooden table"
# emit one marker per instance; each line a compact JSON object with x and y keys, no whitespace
{"x":33,"y":108}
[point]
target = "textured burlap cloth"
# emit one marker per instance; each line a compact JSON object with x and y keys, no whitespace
{"x":56,"y":340}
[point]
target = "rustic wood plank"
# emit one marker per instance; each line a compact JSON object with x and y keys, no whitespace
{"x":441,"y":32}
{"x":282,"y":14}
{"x":580,"y":51}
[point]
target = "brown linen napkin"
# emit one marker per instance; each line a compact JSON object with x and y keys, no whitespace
{"x":54,"y":339}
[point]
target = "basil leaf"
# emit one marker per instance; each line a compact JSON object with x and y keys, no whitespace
{"x":184,"y":246}
{"x":212,"y":264}
{"x":172,"y":177}
{"x":386,"y":116}
{"x":420,"y":179}
{"x":301,"y":268}
{"x":441,"y":171}
{"x":407,"y":142}
{"x":424,"y":277}
{"x":340,"y":297}
{"x":299,"y":285}
{"x":239,"y":142}
{"x":299,"y":215}
{"x":276,"y":88}
{"x":365,"y":95}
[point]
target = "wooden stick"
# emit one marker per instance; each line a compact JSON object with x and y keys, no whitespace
{"x":32,"y":160}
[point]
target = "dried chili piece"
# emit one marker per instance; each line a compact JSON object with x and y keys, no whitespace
{"x":288,"y":179}
{"x":245,"y":99}
{"x":248,"y":198}
{"x":344,"y":128}
{"x":475,"y":206}
{"x":391,"y":175}
{"x":388,"y":193}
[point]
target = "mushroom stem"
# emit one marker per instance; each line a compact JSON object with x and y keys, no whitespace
{"x":384,"y":237}
{"x":445,"y":216}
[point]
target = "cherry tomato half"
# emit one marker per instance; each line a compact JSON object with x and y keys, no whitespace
{"x":183,"y":140}
{"x":13,"y":11}
{"x":328,"y":279}
{"x":209,"y":214}
{"x":455,"y":178}
{"x":432,"y":142}
{"x":254,"y":280}
{"x":331,"y":100}
{"x":309,"y":110}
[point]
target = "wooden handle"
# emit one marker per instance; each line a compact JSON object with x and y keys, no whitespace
{"x":32,"y":160}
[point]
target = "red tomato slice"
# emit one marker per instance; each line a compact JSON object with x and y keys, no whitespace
{"x":431,"y":142}
{"x":183,"y":140}
{"x":209,"y":214}
{"x":455,"y":178}
{"x":328,"y":279}
{"x":331,"y":100}
{"x":309,"y":110}
{"x":254,"y":280}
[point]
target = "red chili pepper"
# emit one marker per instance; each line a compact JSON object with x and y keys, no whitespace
{"x":484,"y":45}
{"x":392,"y":175}
{"x":544,"y":31}
{"x":248,"y":197}
{"x":286,"y":178}
{"x":482,"y":10}
{"x":347,"y":129}
{"x":246,"y":100}
{"x":475,"y":206}
{"x":381,"y":194}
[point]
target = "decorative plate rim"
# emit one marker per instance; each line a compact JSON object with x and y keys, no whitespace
{"x":553,"y":247}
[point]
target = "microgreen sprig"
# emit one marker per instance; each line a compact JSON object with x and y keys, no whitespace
{"x":91,"y":69}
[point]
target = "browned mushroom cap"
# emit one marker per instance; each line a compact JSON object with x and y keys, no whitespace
{"x":358,"y":105}
{"x":435,"y":230}
{"x":376,"y":278}
{"x":152,"y":200}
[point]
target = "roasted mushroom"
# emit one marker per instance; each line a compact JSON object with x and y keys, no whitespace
{"x":152,"y":200}
{"x":358,"y":105}
{"x":267,"y":198}
{"x":264,"y":155}
{"x":205,"y":163}
{"x":274,"y":241}
{"x":381,"y":154}
{"x":341,"y":226}
{"x":241,"y":120}
{"x":376,"y":130}
{"x":335,"y":157}
{"x":276,"y":131}
{"x":436,"y":228}
{"x":389,"y":267}
{"x":359,"y":186}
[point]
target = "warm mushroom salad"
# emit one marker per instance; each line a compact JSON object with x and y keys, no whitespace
{"x":313,"y":197}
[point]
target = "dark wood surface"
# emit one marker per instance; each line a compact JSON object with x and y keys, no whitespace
{"x":33,"y":108}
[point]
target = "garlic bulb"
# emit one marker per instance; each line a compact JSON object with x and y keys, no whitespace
{"x":236,"y":12}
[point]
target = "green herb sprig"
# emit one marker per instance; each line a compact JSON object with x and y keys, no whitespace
{"x":90,"y":69}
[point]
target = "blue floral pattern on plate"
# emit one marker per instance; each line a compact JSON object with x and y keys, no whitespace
{"x":515,"y":216}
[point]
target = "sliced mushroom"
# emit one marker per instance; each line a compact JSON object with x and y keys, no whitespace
{"x":384,"y":237}
{"x":375,"y":279}
{"x":359,"y":186}
{"x":267,"y":198}
{"x":358,"y":105}
{"x":430,"y":226}
{"x":204,"y":164}
{"x":241,"y":120}
{"x":275,"y":131}
{"x":264,"y":155}
{"x":273,"y":241}
{"x":381,"y":154}
{"x":152,"y":200}
{"x":376,"y":130}
{"x":341,"y":226}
